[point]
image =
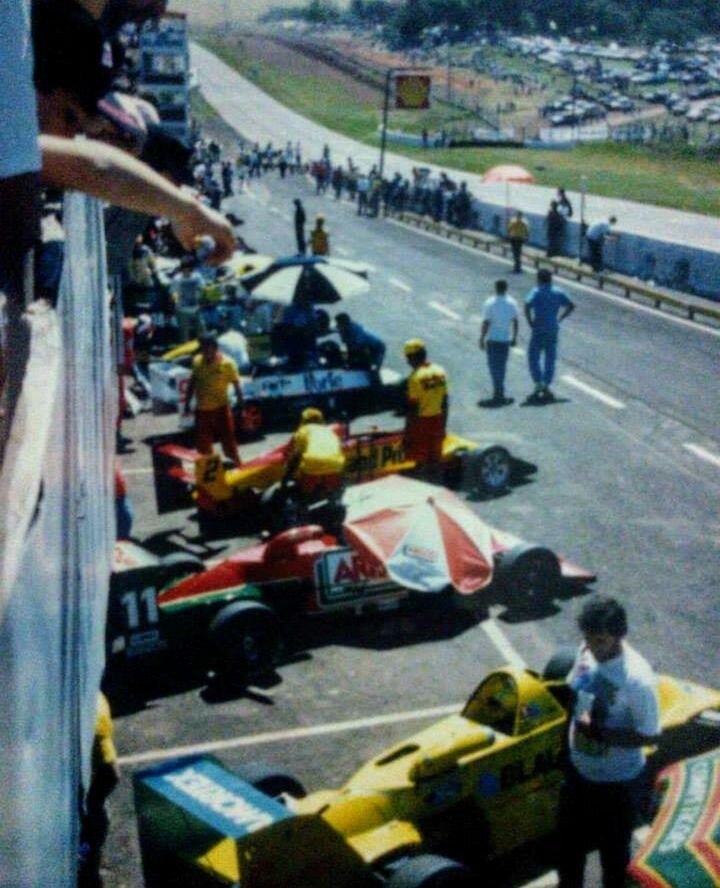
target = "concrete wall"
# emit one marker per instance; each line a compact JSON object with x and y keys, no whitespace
{"x":56,"y":541}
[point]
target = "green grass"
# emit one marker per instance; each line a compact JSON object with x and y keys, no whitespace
{"x":671,"y":178}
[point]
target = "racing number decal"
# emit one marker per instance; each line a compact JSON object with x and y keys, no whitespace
{"x":140,"y":608}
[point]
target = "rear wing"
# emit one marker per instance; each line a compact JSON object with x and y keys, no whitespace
{"x":173,"y":472}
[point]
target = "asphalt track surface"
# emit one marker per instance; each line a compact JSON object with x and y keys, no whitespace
{"x":264,"y":119}
{"x":628,"y":485}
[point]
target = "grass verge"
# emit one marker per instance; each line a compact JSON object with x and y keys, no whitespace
{"x":672,"y":177}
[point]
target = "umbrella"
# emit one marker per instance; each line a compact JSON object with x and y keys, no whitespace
{"x":509,"y":172}
{"x":425,"y":537}
{"x":321,"y":279}
{"x":681,"y":850}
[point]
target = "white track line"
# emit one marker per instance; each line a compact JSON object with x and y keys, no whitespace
{"x":448,"y":312}
{"x":498,"y":638}
{"x":516,"y":350}
{"x":612,"y":297}
{"x":392,"y":718}
{"x":702,"y":453}
{"x":593,"y":392}
{"x":343,"y":251}
{"x":137,"y":471}
{"x":401,"y":285}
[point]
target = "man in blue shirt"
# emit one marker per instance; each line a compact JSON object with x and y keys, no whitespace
{"x":364,"y":350}
{"x":545,"y":308}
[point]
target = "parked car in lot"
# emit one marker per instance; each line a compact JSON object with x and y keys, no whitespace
{"x":476,"y":786}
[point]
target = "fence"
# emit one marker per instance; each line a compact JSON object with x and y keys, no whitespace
{"x":56,"y":539}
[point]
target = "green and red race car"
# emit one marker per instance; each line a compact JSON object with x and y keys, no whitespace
{"x":234,"y":617}
{"x":474,"y":787}
{"x":184,"y":477}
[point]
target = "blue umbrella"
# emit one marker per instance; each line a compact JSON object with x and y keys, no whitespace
{"x":318,"y":278}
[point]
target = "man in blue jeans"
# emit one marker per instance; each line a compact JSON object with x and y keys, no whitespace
{"x":498,"y":335}
{"x":545,"y":308}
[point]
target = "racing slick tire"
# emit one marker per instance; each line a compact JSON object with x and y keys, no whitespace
{"x":271,"y":781}
{"x":559,"y":665}
{"x":430,"y":871}
{"x":530,"y":572}
{"x":488,"y":470}
{"x":244,"y":640}
{"x":279,"y":508}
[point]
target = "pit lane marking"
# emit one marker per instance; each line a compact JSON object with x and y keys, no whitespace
{"x":401,"y":285}
{"x":153,"y":755}
{"x":343,"y":251}
{"x":620,"y":300}
{"x":443,"y":309}
{"x":516,"y":350}
{"x":137,"y":471}
{"x":702,"y":453}
{"x":593,"y":392}
{"x":501,"y":642}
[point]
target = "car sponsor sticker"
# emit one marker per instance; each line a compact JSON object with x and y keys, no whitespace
{"x":343,"y":575}
{"x":225,"y":802}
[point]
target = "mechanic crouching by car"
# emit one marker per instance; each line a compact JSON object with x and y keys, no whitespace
{"x":365,"y":351}
{"x":212,"y":373}
{"x":427,"y":410}
{"x":315,"y":458}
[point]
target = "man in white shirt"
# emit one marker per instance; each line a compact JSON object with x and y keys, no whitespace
{"x":615,"y":715}
{"x":497,"y":335}
{"x":595,"y":238}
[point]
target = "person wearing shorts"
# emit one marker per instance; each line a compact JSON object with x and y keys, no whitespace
{"x":427,"y":408}
{"x":212,"y":373}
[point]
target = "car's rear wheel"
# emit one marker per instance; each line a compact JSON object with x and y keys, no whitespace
{"x":491,"y":469}
{"x":430,"y":871}
{"x":530,"y":573}
{"x":271,"y":781}
{"x":244,"y":641}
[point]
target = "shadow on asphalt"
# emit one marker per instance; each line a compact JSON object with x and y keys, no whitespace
{"x":535,"y":401}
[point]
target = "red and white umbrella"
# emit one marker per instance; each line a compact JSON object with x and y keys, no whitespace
{"x":426,"y":538}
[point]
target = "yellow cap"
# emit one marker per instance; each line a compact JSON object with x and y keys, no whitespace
{"x":413,"y":346}
{"x":311,"y":414}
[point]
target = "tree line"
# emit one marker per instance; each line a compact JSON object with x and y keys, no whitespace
{"x":408,"y":23}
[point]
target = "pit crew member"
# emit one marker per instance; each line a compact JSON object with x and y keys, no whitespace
{"x":364,"y":350}
{"x":616,"y":715}
{"x":104,"y":777}
{"x":316,"y":459}
{"x":212,"y":373}
{"x":427,"y":409}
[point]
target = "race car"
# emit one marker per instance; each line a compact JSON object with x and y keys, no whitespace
{"x":471,"y":788}
{"x":183,"y":477}
{"x":235,"y":616}
{"x":274,"y":390}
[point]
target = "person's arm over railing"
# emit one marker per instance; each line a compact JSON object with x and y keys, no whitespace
{"x":114,"y":176}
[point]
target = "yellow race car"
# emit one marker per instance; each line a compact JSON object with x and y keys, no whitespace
{"x":475,"y":786}
{"x":184,"y":477}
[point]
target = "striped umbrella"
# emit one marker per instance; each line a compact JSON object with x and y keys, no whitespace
{"x":321,"y":279}
{"x":426,"y":538}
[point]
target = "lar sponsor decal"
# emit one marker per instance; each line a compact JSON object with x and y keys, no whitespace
{"x":220,"y":800}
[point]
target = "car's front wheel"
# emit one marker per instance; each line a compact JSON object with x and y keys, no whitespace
{"x":244,"y":641}
{"x":430,"y":871}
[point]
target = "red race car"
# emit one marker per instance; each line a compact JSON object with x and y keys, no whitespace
{"x":238,"y":610}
